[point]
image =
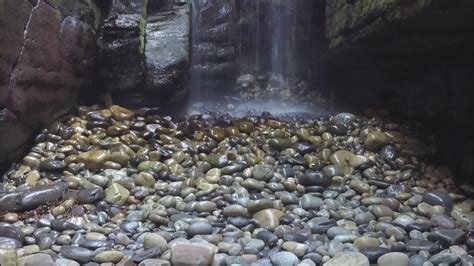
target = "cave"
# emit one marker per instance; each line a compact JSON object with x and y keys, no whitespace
{"x":236,"y":132}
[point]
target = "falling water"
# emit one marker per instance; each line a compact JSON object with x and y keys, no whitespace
{"x":270,"y":37}
{"x":267,"y":38}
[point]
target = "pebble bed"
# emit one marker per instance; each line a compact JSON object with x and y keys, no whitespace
{"x":115,"y":186}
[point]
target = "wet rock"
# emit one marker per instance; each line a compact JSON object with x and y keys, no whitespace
{"x":314,"y":179}
{"x":52,"y":165}
{"x":191,"y":254}
{"x":447,"y":237}
{"x":438,"y":198}
{"x":116,"y":194}
{"x":109,"y":256}
{"x":41,"y":258}
{"x":348,"y":258}
{"x":268,"y":218}
{"x":79,"y":254}
{"x":375,"y":140}
{"x":10,"y":231}
{"x":284,"y":258}
{"x":393,"y":259}
{"x":91,"y":195}
{"x":94,"y":159}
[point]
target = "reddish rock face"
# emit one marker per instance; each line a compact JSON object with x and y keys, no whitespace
{"x":46,"y":79}
{"x":46,"y":59}
{"x":14,"y":15}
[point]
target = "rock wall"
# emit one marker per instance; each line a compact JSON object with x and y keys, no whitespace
{"x":144,"y":52}
{"x":412,"y":58}
{"x":47,"y":53}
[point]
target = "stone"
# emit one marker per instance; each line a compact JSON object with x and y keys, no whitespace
{"x":284,"y":258}
{"x":10,"y":231}
{"x":375,"y":140}
{"x":91,"y":195}
{"x":109,"y":256}
{"x":268,"y":218}
{"x":438,"y":198}
{"x":52,"y":165}
{"x":94,"y":159}
{"x":187,"y":254}
{"x":79,"y":254}
{"x":447,"y":237}
{"x":366,"y":242}
{"x":314,"y":179}
{"x":262,"y":172}
{"x":309,"y":202}
{"x":393,"y":259}
{"x":145,"y":179}
{"x":8,"y":257}
{"x":420,"y":245}
{"x":116,"y":194}
{"x":31,"y":260}
{"x":154,"y":262}
{"x":167,"y":49}
{"x":32,"y":198}
{"x":199,"y":228}
{"x":348,"y":259}
{"x":152,"y":240}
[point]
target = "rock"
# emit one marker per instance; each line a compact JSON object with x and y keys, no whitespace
{"x":420,"y":244}
{"x":82,"y":255}
{"x":444,"y":258}
{"x":7,"y":243}
{"x":388,"y":153}
{"x":269,"y":238}
{"x":393,"y":259}
{"x":235,"y":211}
{"x":8,"y":256}
{"x":60,"y":226}
{"x":184,"y":254}
{"x":314,"y":179}
{"x":309,"y":202}
{"x":268,"y":218}
{"x":380,"y":211}
{"x":447,"y":237}
{"x":31,"y":198}
{"x":31,"y":260}
{"x":154,"y":262}
{"x":94,"y":159}
{"x":52,"y":165}
{"x":284,"y":258}
{"x":116,"y":194}
{"x":145,"y":179}
{"x":343,"y":118}
{"x":167,"y":52}
{"x":349,"y":259}
{"x":438,"y":198}
{"x":262,"y":172}
{"x":91,"y":195}
{"x":359,"y":186}
{"x":199,"y":228}
{"x":296,"y":248}
{"x":152,"y":240}
{"x":147,"y":254}
{"x":10,"y":231}
{"x":375,"y":140}
{"x":366,"y":242}
{"x":109,"y":256}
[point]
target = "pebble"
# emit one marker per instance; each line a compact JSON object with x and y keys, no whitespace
{"x":348,"y":259}
{"x":114,"y":186}
{"x":191,"y":254}
{"x":394,"y":259}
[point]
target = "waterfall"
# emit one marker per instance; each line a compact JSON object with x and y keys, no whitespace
{"x":267,"y":39}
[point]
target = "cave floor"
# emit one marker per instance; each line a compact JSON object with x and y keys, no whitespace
{"x":112,"y":185}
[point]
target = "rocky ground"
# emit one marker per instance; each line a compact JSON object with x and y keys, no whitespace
{"x":113,"y":186}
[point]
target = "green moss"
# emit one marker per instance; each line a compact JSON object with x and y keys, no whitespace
{"x":142,"y":35}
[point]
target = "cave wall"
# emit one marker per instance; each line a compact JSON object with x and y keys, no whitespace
{"x":47,"y":53}
{"x":413,"y":58}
